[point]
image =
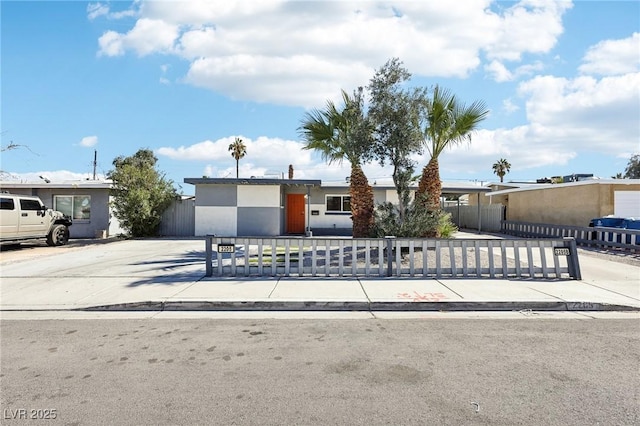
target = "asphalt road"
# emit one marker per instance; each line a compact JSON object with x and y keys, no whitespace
{"x":307,"y":372}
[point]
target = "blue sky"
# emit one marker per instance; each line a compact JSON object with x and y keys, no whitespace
{"x":184,"y":78}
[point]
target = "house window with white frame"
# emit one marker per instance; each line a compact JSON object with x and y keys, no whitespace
{"x":338,"y":203}
{"x":78,"y":207}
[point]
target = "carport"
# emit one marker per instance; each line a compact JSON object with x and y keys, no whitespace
{"x":449,"y":188}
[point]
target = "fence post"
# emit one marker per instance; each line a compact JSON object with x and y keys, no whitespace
{"x":573,"y":263}
{"x":389,"y":239}
{"x":208,"y":243}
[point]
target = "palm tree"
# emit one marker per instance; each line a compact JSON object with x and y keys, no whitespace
{"x":501,"y":168}
{"x":345,"y":134}
{"x":449,"y":122}
{"x":238,"y":151}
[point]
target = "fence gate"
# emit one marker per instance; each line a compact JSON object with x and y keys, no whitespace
{"x":179,"y":220}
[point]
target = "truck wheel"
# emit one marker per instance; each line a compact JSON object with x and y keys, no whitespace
{"x":58,"y":236}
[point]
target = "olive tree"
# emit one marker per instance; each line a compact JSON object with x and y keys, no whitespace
{"x":395,"y":112}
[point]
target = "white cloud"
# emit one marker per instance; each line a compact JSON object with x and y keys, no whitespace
{"x":299,"y":80}
{"x":163,"y":69}
{"x":94,"y":10}
{"x":565,"y":117}
{"x":265,"y":157}
{"x":301,"y":53}
{"x":509,"y":106}
{"x":89,"y":141}
{"x":499,"y":72}
{"x":147,"y":36}
{"x":598,"y":115}
{"x":261,"y":152}
{"x":613,"y":57}
{"x":529,"y":26}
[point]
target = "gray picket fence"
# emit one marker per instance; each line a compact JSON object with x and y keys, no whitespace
{"x":602,"y":237}
{"x":392,"y":257}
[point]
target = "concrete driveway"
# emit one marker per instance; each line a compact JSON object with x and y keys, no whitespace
{"x":117,"y":271}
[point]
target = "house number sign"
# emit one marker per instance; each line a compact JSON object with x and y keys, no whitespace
{"x":226,"y":248}
{"x":561,"y":251}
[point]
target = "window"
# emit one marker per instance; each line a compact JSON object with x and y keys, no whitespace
{"x":338,"y":204}
{"x":78,"y":207}
{"x":30,"y":205}
{"x":7,"y":204}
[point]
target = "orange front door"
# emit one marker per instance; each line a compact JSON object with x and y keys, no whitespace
{"x":295,"y":214}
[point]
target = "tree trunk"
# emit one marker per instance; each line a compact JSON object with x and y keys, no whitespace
{"x":237,"y":168}
{"x":430,"y":187}
{"x":361,"y":203}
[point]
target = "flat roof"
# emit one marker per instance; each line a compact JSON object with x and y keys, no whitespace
{"x":447,"y":187}
{"x":533,"y":187}
{"x":72,"y":184}
{"x":251,"y":181}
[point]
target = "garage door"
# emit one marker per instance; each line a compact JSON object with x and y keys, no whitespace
{"x":626,"y":204}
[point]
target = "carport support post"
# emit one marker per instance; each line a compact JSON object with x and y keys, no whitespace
{"x":479,"y":215}
{"x":208,"y":245}
{"x":572,"y":261}
{"x":308,"y":231}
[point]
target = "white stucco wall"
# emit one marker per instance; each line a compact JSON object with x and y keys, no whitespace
{"x":258,"y":196}
{"x":220,"y":221}
{"x":324,"y":220}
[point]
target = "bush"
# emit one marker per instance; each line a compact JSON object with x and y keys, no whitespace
{"x":418,"y":222}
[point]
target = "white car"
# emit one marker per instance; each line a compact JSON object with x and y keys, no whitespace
{"x":24,"y":217}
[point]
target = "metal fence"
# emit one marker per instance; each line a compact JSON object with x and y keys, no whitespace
{"x":178,"y":220}
{"x":392,"y":257}
{"x":587,"y":236}
{"x":467,"y":216}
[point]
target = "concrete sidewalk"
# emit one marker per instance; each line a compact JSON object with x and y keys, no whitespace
{"x":168,"y":275}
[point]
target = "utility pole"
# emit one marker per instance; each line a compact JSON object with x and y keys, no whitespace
{"x":95,"y":162}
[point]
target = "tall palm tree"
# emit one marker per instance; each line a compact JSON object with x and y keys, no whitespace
{"x":501,"y":168}
{"x":448,"y":122}
{"x":238,"y":151}
{"x":345,"y":134}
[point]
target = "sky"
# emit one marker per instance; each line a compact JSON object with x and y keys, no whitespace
{"x":185,"y":78}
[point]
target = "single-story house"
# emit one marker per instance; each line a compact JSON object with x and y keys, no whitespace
{"x":85,"y":201}
{"x":571,"y":204}
{"x":273,"y":207}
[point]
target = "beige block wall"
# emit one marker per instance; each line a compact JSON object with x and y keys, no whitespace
{"x":572,"y":205}
{"x":493,"y":199}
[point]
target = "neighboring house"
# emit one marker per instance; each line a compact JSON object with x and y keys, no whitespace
{"x":85,"y":201}
{"x":571,"y":204}
{"x":273,"y":207}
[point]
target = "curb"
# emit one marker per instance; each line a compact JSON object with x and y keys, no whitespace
{"x":362,"y":306}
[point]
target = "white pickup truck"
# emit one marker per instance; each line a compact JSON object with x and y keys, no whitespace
{"x":24,"y":217}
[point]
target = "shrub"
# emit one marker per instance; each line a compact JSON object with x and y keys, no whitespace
{"x":418,"y":222}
